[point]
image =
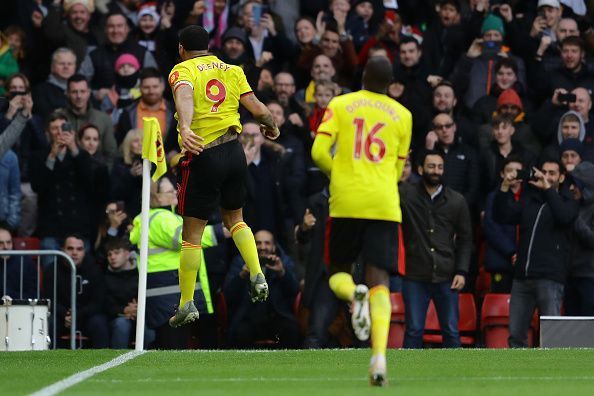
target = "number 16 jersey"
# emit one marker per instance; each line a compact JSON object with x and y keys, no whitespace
{"x":372,"y":133}
{"x":217,"y":87}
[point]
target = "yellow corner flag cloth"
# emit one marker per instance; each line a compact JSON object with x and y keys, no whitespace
{"x":152,"y":146}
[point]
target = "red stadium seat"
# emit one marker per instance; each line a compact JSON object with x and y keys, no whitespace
{"x":397,"y":323}
{"x":495,"y":321}
{"x":466,"y":323}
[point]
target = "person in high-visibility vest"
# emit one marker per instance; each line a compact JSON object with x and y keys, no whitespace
{"x":163,"y":261}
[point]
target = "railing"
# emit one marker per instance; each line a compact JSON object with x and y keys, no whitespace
{"x":56,"y":254}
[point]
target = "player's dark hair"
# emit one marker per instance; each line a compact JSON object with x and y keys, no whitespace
{"x":377,"y":75}
{"x":194,"y":38}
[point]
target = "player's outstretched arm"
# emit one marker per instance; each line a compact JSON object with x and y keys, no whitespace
{"x":261,"y":114}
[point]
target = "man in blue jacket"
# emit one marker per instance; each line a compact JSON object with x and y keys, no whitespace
{"x":545,"y":214}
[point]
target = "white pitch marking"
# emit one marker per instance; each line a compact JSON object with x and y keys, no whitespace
{"x":77,"y":378}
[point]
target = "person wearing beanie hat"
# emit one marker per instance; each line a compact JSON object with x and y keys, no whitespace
{"x":126,"y":59}
{"x":493,"y":22}
{"x":149,"y":9}
{"x":88,"y":4}
{"x":571,"y":153}
{"x":579,"y":292}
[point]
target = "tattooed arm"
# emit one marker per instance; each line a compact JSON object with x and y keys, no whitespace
{"x":261,"y":113}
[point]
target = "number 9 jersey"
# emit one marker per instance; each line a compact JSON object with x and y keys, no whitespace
{"x":217,"y":89}
{"x":371,"y":133}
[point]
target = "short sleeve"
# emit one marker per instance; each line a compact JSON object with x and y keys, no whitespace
{"x":180,"y":74}
{"x":243,"y":85}
{"x":329,"y":125}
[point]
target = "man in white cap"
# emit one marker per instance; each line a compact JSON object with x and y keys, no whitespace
{"x":549,"y":15}
{"x":77,"y":31}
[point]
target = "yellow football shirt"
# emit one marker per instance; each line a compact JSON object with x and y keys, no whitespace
{"x":371,"y":133}
{"x":217,"y":87}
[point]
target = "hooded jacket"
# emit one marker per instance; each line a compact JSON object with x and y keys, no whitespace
{"x":552,"y":151}
{"x":582,"y":253}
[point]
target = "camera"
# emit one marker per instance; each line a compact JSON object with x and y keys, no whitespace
{"x":567,"y":98}
{"x":526,"y":174}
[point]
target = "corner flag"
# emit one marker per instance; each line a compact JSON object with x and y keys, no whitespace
{"x":152,"y":146}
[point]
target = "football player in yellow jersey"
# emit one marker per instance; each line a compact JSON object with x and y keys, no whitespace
{"x":371,"y":134}
{"x":207,"y":95}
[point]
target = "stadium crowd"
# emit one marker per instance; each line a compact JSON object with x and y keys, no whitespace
{"x":501,"y":97}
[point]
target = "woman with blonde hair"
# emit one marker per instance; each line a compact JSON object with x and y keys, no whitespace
{"x":126,"y":176}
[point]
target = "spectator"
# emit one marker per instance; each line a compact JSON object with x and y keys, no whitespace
{"x":80,"y":31}
{"x":502,"y":147}
{"x":266,"y":42}
{"x":10,"y":190}
{"x":510,"y":104}
{"x":80,"y":112}
{"x":11,"y":133}
{"x":336,"y":44}
{"x":234,"y":52}
{"x":506,"y":77}
{"x":307,"y":39}
{"x":475,"y":71}
{"x":98,"y":64}
{"x":461,"y":170}
{"x":388,"y":37}
{"x":445,"y":101}
{"x":545,"y":214}
{"x":263,"y":208}
{"x":215,"y":24}
{"x":273,"y":318}
{"x":502,"y":240}
{"x":446,"y":39}
{"x":126,"y":176}
{"x":15,"y":268}
{"x":571,"y":126}
{"x":31,"y":139}
{"x":571,"y":154}
{"x":165,"y":236}
{"x":573,"y":72}
{"x":125,"y":90}
{"x":413,"y":74}
{"x":8,"y":65}
{"x":437,"y":232}
{"x":90,"y":317}
{"x":155,"y":32}
{"x":363,"y":22}
{"x":321,"y":69}
{"x":293,"y":165}
{"x":88,"y":139}
{"x":579,"y":298}
{"x":51,"y":94}
{"x":150,"y":104}
{"x":62,"y":177}
{"x":284,"y":89}
{"x":121,"y":290}
{"x":115,"y":225}
{"x":548,"y":52}
{"x":128,"y":8}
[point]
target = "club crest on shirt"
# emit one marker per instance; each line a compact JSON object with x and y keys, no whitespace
{"x":173,"y":78}
{"x":327,"y":115}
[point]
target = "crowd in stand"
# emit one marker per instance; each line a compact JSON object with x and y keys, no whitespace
{"x":501,"y":90}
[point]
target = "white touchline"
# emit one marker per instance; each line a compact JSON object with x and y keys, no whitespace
{"x":66,"y":383}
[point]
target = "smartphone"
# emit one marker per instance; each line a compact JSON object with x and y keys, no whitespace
{"x":491,"y":48}
{"x":66,"y":127}
{"x":257,"y":11}
{"x":265,"y":261}
{"x":120,"y":206}
{"x":567,"y":98}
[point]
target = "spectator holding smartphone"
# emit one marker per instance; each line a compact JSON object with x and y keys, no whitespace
{"x":62,"y":177}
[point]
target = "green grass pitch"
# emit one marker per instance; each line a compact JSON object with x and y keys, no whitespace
{"x":307,"y":373}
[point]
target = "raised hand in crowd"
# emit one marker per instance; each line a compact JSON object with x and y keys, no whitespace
{"x":268,"y":23}
{"x":538,"y":26}
{"x":309,"y":220}
{"x":167,"y":14}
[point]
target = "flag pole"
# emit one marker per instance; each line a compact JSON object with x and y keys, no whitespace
{"x":142,"y":265}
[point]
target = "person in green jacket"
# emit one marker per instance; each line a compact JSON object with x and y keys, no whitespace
{"x":8,"y":65}
{"x":163,"y":257}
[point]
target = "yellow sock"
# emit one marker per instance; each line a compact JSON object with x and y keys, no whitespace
{"x":246,"y":244}
{"x":381,"y":312}
{"x":189,"y":264}
{"x":342,"y":285}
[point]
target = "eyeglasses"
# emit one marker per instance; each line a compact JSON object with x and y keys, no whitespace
{"x":443,"y":126}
